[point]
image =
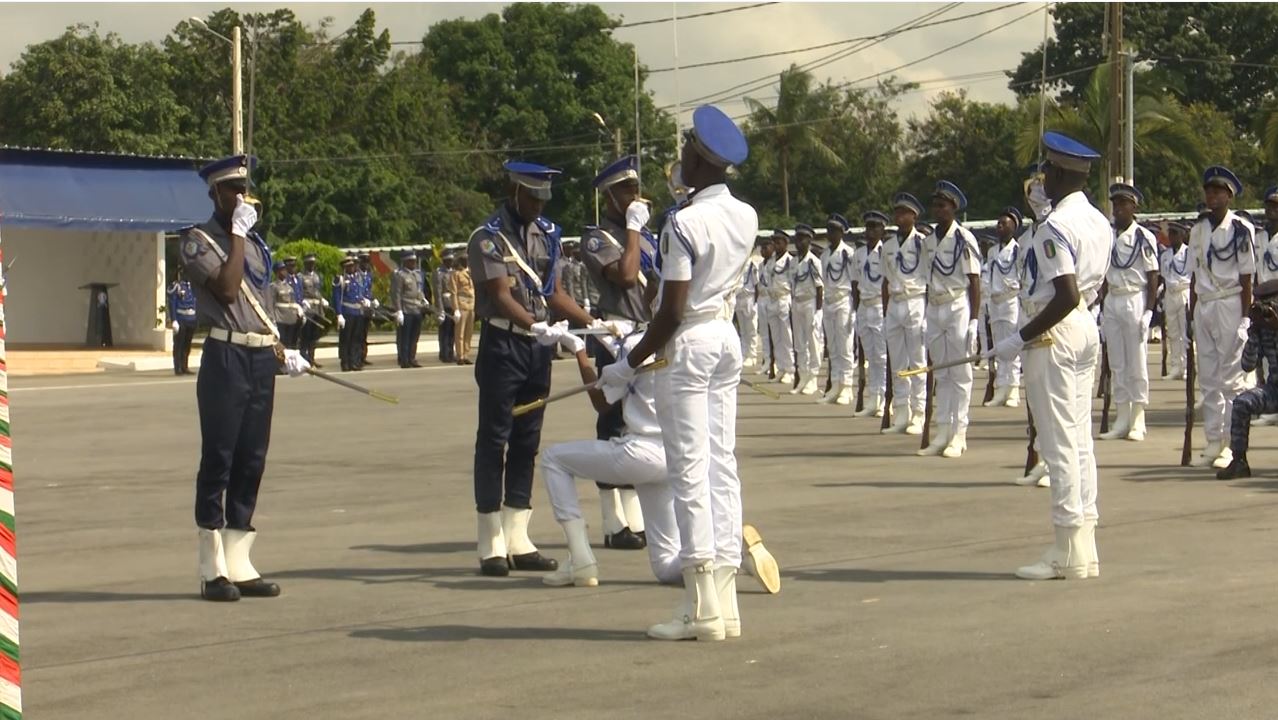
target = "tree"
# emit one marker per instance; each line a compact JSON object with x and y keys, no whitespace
{"x":970,"y":143}
{"x":1220,"y":53}
{"x":1165,"y":140}
{"x":781,"y":134}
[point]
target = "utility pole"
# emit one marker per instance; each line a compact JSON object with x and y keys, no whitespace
{"x":1129,"y":98}
{"x":1113,"y":156}
{"x":237,"y":95}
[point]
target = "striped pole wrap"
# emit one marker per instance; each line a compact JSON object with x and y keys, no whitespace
{"x":10,"y":673}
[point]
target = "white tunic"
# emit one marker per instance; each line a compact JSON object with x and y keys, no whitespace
{"x":1218,"y":257}
{"x":707,"y":244}
{"x":1073,"y":240}
{"x":1174,"y":269}
{"x":1267,"y":245}
{"x":807,"y":278}
{"x":1002,"y":271}
{"x":838,"y":272}
{"x":906,"y":265}
{"x":1133,"y":256}
{"x":869,"y":274}
{"x":778,"y":276}
{"x":953,"y":258}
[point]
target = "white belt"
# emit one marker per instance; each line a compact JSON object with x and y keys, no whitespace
{"x":1005,"y":296}
{"x":875,"y":299}
{"x":253,"y":340}
{"x":1124,"y":292}
{"x":288,"y":306}
{"x":186,"y":312}
{"x":907,"y":295}
{"x":508,"y":326}
{"x":1221,"y":295}
{"x":353,"y":306}
{"x":945,"y":299}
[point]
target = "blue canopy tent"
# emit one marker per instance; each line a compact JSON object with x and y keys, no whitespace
{"x":70,"y":219}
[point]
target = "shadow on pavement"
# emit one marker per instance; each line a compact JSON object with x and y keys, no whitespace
{"x":437,"y":547}
{"x":93,"y":596}
{"x":462,"y":633}
{"x":862,"y":575}
{"x":915,"y":484}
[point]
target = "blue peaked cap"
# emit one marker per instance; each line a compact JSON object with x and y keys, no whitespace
{"x":234,"y":167}
{"x":875,"y":216}
{"x":838,"y":219}
{"x":1271,"y":194}
{"x":804,"y":229}
{"x":1126,"y":190}
{"x":1068,"y":153}
{"x":780,"y":233}
{"x":1224,"y":177}
{"x":1012,"y":212}
{"x":536,"y":178}
{"x":907,"y":201}
{"x":950,"y":191}
{"x":627,"y":168}
{"x":717,"y":138}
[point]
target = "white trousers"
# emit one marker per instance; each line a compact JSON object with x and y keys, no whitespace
{"x":1126,"y":346}
{"x":748,"y":326}
{"x":946,"y":333}
{"x":1219,"y":340}
{"x":903,"y":331}
{"x":697,"y":408}
{"x":807,"y":342}
{"x":1060,"y":385}
{"x":782,"y":337}
{"x":626,"y":460}
{"x":765,"y":345}
{"x":1175,"y":312}
{"x":1005,"y":320}
{"x":837,"y":318}
{"x":869,"y":330}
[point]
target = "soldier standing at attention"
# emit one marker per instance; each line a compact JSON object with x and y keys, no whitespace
{"x":288,"y":312}
{"x":463,"y":289}
{"x":805,"y":311}
{"x":444,"y":307}
{"x":230,"y":270}
{"x":348,"y":300}
{"x":905,"y":270}
{"x":408,"y":301}
{"x":1003,"y":277}
{"x":313,"y":304}
{"x":867,"y":292}
{"x":514,"y":258}
{"x":182,"y":317}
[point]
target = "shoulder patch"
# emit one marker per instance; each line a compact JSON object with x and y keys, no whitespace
{"x":192,"y":248}
{"x":489,"y":248}
{"x":1049,"y":248}
{"x":594,"y":244}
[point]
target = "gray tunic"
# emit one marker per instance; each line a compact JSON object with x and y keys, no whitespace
{"x":203,"y":263}
{"x":408,"y":291}
{"x":287,"y":310}
{"x":489,"y":255}
{"x":599,"y":252}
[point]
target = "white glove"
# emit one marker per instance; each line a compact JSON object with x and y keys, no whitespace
{"x":376,"y":304}
{"x":1146,"y":319}
{"x":366,"y":302}
{"x":637,"y":214}
{"x":341,"y":322}
{"x":399,"y":317}
{"x":295,"y":364}
{"x":324,"y":302}
{"x":572,"y":343}
{"x":1244,"y":328}
{"x":973,"y":336}
{"x":176,"y":327}
{"x":1009,"y":347}
{"x":615,"y":380}
{"x":439,"y":317}
{"x":548,"y":335}
{"x":457,"y":315}
{"x":243,"y":217}
{"x":1038,"y":201}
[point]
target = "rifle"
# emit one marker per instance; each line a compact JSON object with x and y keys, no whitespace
{"x":1187,"y":446}
{"x":1031,"y":455}
{"x":991,"y":368}
{"x":887,"y":394}
{"x":1162,"y":334}
{"x":859,"y":354}
{"x":1105,"y":381}
{"x":927,"y":408}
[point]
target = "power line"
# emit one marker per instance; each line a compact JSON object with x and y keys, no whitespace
{"x":694,"y":15}
{"x":810,"y":48}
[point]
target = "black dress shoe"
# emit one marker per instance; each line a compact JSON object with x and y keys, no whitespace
{"x":494,"y":567}
{"x":534,"y":561}
{"x":219,"y":590}
{"x":1238,"y":468}
{"x":366,"y":362}
{"x":258,"y":587}
{"x":624,"y":539}
{"x":316,"y":365}
{"x":414,"y":364}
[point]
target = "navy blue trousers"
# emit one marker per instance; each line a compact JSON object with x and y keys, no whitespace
{"x":406,"y":337}
{"x":510,"y":370}
{"x":447,"y":333}
{"x":235,"y":392}
{"x":1261,"y":400}
{"x":350,"y":342}
{"x":182,"y":346}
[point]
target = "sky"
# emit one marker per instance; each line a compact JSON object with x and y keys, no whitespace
{"x":766,"y":29}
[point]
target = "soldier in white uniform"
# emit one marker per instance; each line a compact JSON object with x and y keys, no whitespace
{"x":704,"y":247}
{"x":1176,"y":278}
{"x":748,"y":313}
{"x":1267,"y":269}
{"x":1131,"y":291}
{"x":763,"y":305}
{"x":838,"y":272}
{"x":953,"y":299}
{"x":1222,"y":258}
{"x":905,"y":268}
{"x":805,"y":310}
{"x":1069,"y":248}
{"x":778,"y":274}
{"x":1003,"y":284}
{"x":868,"y":296}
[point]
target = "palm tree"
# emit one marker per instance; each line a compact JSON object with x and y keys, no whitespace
{"x":1160,"y":131}
{"x":789,"y":129}
{"x":1267,"y":131}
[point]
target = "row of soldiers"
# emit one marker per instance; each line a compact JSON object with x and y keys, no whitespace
{"x":934,"y":294}
{"x":298,"y":306}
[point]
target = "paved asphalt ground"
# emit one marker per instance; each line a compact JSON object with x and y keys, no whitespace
{"x":898,"y":599}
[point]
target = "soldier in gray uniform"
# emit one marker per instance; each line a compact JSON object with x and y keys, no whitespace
{"x":229,"y":267}
{"x":313,"y":304}
{"x":444,"y":308}
{"x":514,"y":260}
{"x":408,"y":302}
{"x":620,"y":263}
{"x":288,"y":313}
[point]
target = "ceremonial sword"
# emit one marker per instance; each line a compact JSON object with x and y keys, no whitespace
{"x":1044,"y":341}
{"x":553,"y":397}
